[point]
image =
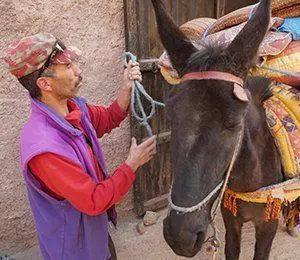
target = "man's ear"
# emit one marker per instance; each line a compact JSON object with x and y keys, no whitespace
{"x":44,"y":83}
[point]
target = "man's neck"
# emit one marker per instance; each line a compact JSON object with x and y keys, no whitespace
{"x":59,"y":105}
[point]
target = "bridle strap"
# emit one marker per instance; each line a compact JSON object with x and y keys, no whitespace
{"x":215,"y":75}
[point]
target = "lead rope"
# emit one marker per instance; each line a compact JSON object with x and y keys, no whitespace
{"x":138,"y":90}
{"x":214,"y":239}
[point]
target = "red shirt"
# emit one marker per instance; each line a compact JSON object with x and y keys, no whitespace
{"x":62,"y":179}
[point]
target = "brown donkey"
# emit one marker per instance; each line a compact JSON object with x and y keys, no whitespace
{"x":217,"y":119}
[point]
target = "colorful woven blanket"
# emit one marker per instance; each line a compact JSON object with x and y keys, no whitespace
{"x":283,"y":117}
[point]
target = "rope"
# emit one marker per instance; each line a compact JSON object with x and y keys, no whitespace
{"x":5,"y":257}
{"x":138,"y":90}
{"x":284,"y":72}
{"x":252,"y":11}
{"x":184,"y":210}
{"x":236,"y":151}
{"x":214,"y":239}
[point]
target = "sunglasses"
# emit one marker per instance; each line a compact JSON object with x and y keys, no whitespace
{"x":59,"y":47}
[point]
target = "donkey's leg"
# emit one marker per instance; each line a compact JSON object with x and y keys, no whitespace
{"x":233,"y":227}
{"x":265,"y":233}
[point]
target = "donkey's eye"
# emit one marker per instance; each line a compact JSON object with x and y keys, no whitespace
{"x":233,"y":127}
{"x":230,"y":128}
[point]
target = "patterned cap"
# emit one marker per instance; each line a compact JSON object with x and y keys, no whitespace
{"x":30,"y":53}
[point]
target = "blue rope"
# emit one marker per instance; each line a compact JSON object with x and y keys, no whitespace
{"x":137,"y":91}
{"x":5,"y":257}
{"x":204,"y":35}
{"x":252,"y":11}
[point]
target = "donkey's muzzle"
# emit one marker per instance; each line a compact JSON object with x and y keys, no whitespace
{"x":182,"y":241}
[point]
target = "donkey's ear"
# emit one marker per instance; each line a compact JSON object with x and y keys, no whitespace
{"x":244,"y":47}
{"x":178,"y":46}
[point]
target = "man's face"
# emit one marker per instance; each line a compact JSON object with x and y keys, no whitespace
{"x":66,"y":82}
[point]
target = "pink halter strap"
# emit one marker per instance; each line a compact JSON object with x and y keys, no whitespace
{"x":213,"y":75}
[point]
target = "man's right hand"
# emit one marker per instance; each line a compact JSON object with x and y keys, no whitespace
{"x":141,"y":154}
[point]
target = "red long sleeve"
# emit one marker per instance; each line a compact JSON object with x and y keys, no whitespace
{"x":62,"y":179}
{"x":106,"y":119}
{"x":67,"y":180}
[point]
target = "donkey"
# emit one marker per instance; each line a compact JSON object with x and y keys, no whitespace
{"x":215,"y":112}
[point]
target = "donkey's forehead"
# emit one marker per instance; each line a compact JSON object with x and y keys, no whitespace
{"x":204,"y":101}
{"x":196,"y":93}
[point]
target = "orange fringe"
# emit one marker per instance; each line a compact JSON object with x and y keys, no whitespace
{"x":272,"y":210}
{"x":230,"y":201}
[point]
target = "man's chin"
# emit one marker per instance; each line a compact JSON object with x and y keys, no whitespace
{"x":74,"y":95}
{"x":76,"y":89}
{"x":78,"y":85}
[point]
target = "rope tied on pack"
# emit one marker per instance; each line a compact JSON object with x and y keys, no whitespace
{"x":138,"y":90}
{"x":5,"y":257}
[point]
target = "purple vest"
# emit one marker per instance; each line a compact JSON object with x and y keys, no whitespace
{"x":63,"y":231}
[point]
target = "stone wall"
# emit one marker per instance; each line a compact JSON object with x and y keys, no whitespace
{"x":97,"y":28}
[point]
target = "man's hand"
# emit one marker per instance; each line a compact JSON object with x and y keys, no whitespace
{"x":141,"y":154}
{"x":131,"y":73}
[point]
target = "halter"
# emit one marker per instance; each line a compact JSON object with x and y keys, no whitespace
{"x":216,"y":75}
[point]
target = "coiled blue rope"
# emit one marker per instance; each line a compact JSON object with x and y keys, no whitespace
{"x":138,"y":90}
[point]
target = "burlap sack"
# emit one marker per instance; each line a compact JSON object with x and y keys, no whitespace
{"x":292,"y":11}
{"x":281,"y":4}
{"x":194,"y":29}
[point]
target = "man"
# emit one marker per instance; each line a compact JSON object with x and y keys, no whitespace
{"x":71,"y":196}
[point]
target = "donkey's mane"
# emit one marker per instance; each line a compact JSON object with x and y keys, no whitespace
{"x":212,"y":57}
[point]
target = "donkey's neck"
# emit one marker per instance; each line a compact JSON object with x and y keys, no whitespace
{"x":258,"y":163}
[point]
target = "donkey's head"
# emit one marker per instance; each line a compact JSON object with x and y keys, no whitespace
{"x":206,"y":112}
